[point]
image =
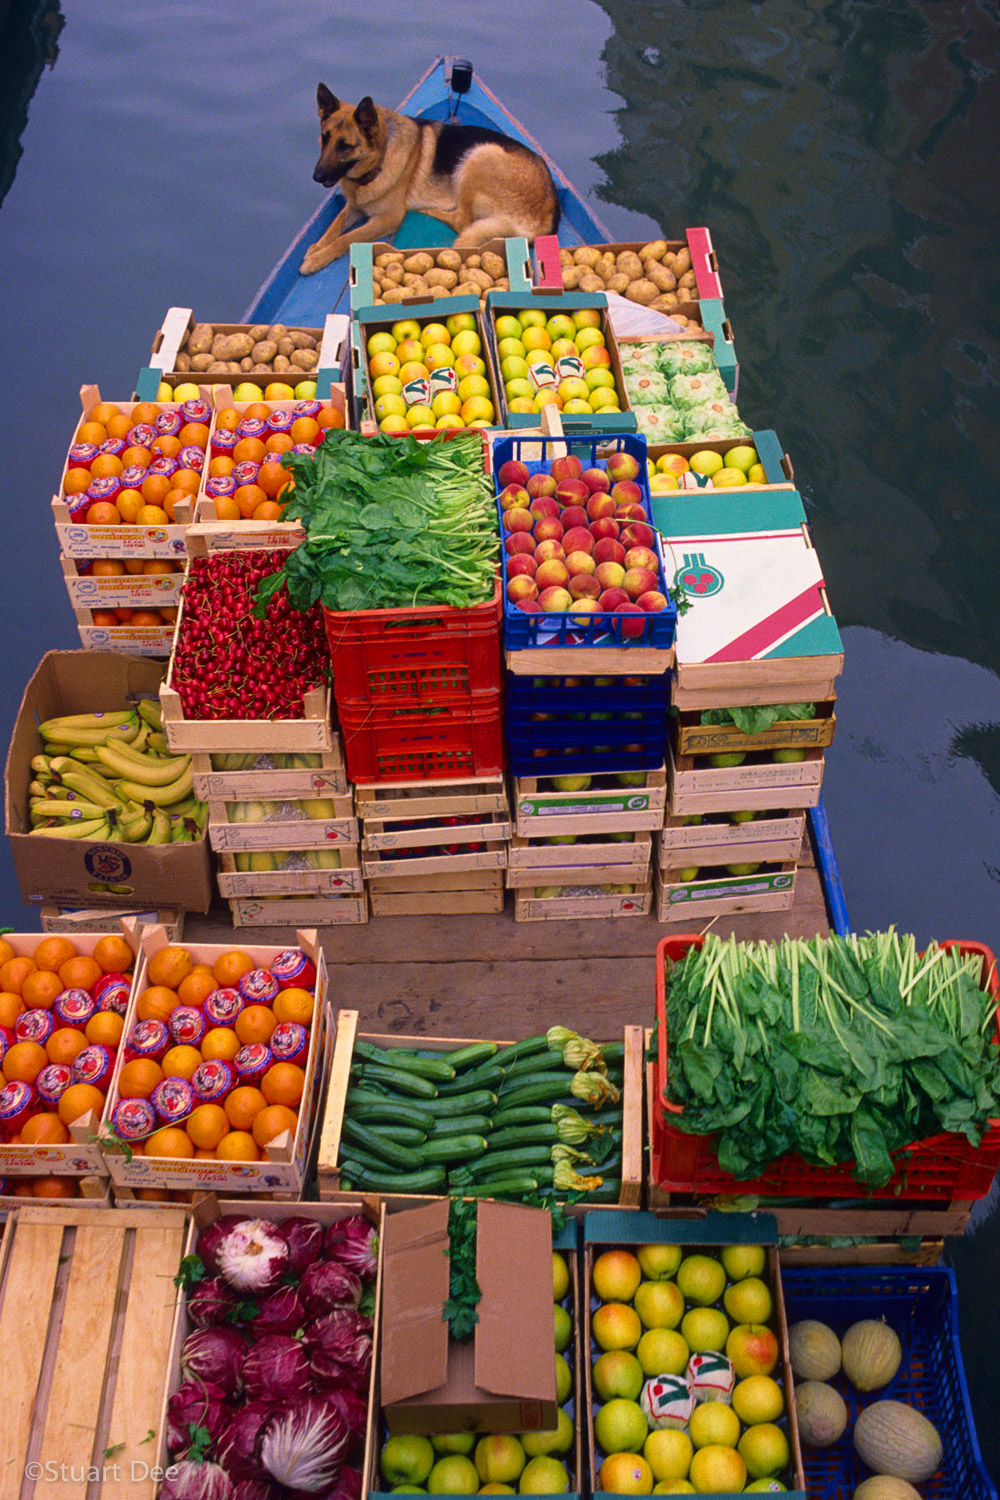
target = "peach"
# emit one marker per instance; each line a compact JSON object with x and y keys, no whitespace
{"x":584,"y":586}
{"x":595,"y":479}
{"x":530,"y":606}
{"x":578,"y":539}
{"x":608,"y":550}
{"x":568,"y":467}
{"x":579,"y":562}
{"x":519,"y":541}
{"x":581,"y":609}
{"x":541,"y":484}
{"x":572,"y":492}
{"x":555,"y":600}
{"x":630,"y":512}
{"x":574,"y":515}
{"x":637,"y":534}
{"x":610,"y":575}
{"x":601,"y":504}
{"x":522,"y":563}
{"x":622,"y":466}
{"x":638,"y":581}
{"x":518,"y":519}
{"x":522,"y":587}
{"x":613,"y":598}
{"x":547,"y":529}
{"x":514,"y":496}
{"x":631,"y":629}
{"x":602,"y":527}
{"x":626,"y":492}
{"x":653,"y":602}
{"x":513,"y":472}
{"x":549,"y":548}
{"x":642,"y":557}
{"x":554,"y":574}
{"x":544,"y":505}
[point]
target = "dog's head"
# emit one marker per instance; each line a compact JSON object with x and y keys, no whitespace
{"x":348,"y":138}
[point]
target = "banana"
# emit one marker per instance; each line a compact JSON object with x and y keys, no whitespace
{"x":318,"y":808}
{"x":65,"y":807}
{"x":40,"y":789}
{"x":183,"y":831}
{"x":143,"y":769}
{"x":262,"y":859}
{"x":40,"y":764}
{"x":159,"y":832}
{"x":49,"y":728}
{"x":84,"y":755}
{"x":324,"y":859}
{"x":149,"y":709}
{"x":54,"y":734}
{"x":155,"y":740}
{"x":242,"y":860}
{"x":134,"y":827}
{"x":94,"y":788}
{"x":159,"y":796}
{"x":200,"y":815}
{"x":94,"y":828}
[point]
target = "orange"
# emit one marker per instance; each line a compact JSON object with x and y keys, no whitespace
{"x":105,"y":1028}
{"x":193,"y":435}
{"x":170,"y":965}
{"x":148,"y":617}
{"x":80,"y":972}
{"x":24,"y":1187}
{"x":272,"y":479}
{"x":294,"y":1004}
{"x":107,"y":567}
{"x":170,"y":1141}
{"x":180,"y":1062}
{"x":76,"y":481}
{"x":154,"y":487}
{"x":118,"y":425}
{"x":267,"y":510}
{"x":11,"y":1006}
{"x":151,"y":515}
{"x":168,"y":445}
{"x":304,"y":430}
{"x":144,"y":411}
{"x":249,"y":450}
{"x":206,"y":1126}
{"x":65,"y":1044}
{"x":226,"y":508}
{"x":330,"y":417}
{"x":242,"y":1105}
{"x":156,"y":1003}
{"x":271,"y":1122}
{"x":15,"y":971}
{"x":220,"y":467}
{"x":258,"y":409}
{"x":201,"y":1154}
{"x":6,"y":951}
{"x":44,"y":1130}
{"x":279,"y":442}
{"x":137,"y":455}
{"x":194,"y":987}
{"x":139,"y":1078}
{"x":92,"y":432}
{"x":221,"y":1043}
{"x":23,"y":1062}
{"x":104,"y":617}
{"x":103,"y":513}
{"x":106,"y":465}
{"x":238,"y":1145}
{"x":188,"y":480}
{"x":52,"y":952}
{"x":154,"y":1195}
{"x":113,"y":954}
{"x":283,"y":1083}
{"x":230,"y":967}
{"x":129,"y":503}
{"x":247,"y":498}
{"x":41,"y":989}
{"x":103,"y":411}
{"x":55,"y":1187}
{"x":172,"y":499}
{"x":228,"y":418}
{"x":255,"y":1024}
{"x":78,"y":1100}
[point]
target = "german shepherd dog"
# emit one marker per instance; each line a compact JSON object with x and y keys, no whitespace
{"x":478,"y":182}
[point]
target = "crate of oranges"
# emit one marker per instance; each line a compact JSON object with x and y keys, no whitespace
{"x":62,"y":1015}
{"x":221,"y":1067}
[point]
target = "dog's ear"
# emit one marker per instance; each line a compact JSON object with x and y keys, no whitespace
{"x":326,"y":101}
{"x":366,"y":115}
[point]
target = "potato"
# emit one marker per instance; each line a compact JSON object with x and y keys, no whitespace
{"x":386,"y":258}
{"x":502,"y":284}
{"x":280,"y":364}
{"x":642,"y":291}
{"x":246,"y":364}
{"x":199,"y":340}
{"x":477,"y":278}
{"x":607,"y":266}
{"x":494,"y":265}
{"x":618,"y":283}
{"x":571,"y":277}
{"x":688,"y":281}
{"x":393,"y":275}
{"x":442,"y":278}
{"x":236,"y":347}
{"x":419,"y":264}
{"x":682,"y":260}
{"x":586,"y":255}
{"x":440,"y":291}
{"x":199,"y":363}
{"x":220,"y":367}
{"x":628,"y":264}
{"x":276,"y":331}
{"x":305,"y":359}
{"x":393,"y":294}
{"x":264,"y":352}
{"x":566,"y":258}
{"x":258,"y":332}
{"x":303,"y":340}
{"x":664,"y":303}
{"x":468,"y":289}
{"x":590,"y":282}
{"x":260,"y":369}
{"x":653,"y":250}
{"x":473,"y":262}
{"x":449,"y":260}
{"x":285,"y":346}
{"x":660,"y":276}
{"x":182,"y":361}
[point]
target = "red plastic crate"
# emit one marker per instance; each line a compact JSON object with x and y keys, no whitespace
{"x":394,"y":744}
{"x":941,"y":1167}
{"x":415,"y":658}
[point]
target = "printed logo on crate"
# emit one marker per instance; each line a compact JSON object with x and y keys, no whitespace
{"x":710,"y":890}
{"x":106,"y":862}
{"x":695,"y":576}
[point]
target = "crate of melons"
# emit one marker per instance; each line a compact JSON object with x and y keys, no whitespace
{"x":688,"y":1379}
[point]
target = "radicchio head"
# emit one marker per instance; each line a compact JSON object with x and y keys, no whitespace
{"x":276,"y":1369}
{"x":304,"y":1446}
{"x":354,"y":1243}
{"x":305,"y":1241}
{"x":211,"y":1303}
{"x":239,"y":1444}
{"x":326,"y":1285}
{"x":252,"y":1256}
{"x":216,"y":1355}
{"x":196,"y":1403}
{"x":340,"y":1349}
{"x":191,"y":1480}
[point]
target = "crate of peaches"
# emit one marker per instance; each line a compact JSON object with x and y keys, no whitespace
{"x":220,"y":1068}
{"x":62,"y":1007}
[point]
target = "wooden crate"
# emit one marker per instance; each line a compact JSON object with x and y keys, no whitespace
{"x":120,"y":590}
{"x":299,"y":911}
{"x":694,"y":901}
{"x":530,"y":863}
{"x":460,"y":903}
{"x":590,"y":661}
{"x":776,"y":837}
{"x":744,"y":684}
{"x":95,"y":1192}
{"x":284,"y":833}
{"x":463,"y":880}
{"x":694,"y":738}
{"x":439,"y":799}
{"x":378,"y":862}
{"x":579,"y":906}
{"x":70,"y":920}
{"x":328,"y":779}
{"x":312,"y":882}
{"x":606,"y":807}
{"x":381,"y":834}
{"x":282,"y":1170}
{"x":876,"y":1252}
{"x":700,"y":788}
{"x":87,"y":1303}
{"x":328,"y":1169}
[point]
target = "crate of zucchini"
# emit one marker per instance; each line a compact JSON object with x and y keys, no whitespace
{"x":555,"y":1116}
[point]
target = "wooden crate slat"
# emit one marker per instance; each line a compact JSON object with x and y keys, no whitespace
{"x":33,"y":1257}
{"x":336,"y":1094}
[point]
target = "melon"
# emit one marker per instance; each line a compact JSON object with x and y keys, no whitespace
{"x":895,"y":1439}
{"x":814,"y":1349}
{"x":885,"y":1487}
{"x":821,"y":1413}
{"x":871,"y":1354}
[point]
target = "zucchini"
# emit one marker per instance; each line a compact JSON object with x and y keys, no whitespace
{"x":514,"y":1185}
{"x":406,"y":1135}
{"x":472,"y":1056}
{"x":408,"y":1062}
{"x":395,"y":1078}
{"x":397,"y":1156}
{"x":525,"y":1048}
{"x":481,"y":1101}
{"x":461,"y":1125}
{"x":521,"y":1156}
{"x":489,"y":1076}
{"x":526,"y":1114}
{"x":528,"y":1067}
{"x":428,"y":1180}
{"x":614,"y":1052}
{"x":362,"y":1105}
{"x":609,"y":1191}
{"x":522,"y":1135}
{"x":452,"y":1148}
{"x":544,"y":1088}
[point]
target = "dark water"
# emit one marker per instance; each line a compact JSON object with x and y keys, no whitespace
{"x":843,"y":154}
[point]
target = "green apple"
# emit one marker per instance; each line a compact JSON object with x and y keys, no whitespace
{"x":561,"y":838}
{"x":513,"y":367}
{"x":618,"y":1372}
{"x":742,"y":815}
{"x":551,"y":1444}
{"x":604,"y":399}
{"x":305,"y":390}
{"x":564,"y":1380}
{"x":406,"y":1459}
{"x":725,"y":758}
{"x":559,"y":326}
{"x":453,"y":1475}
{"x":741,"y":457}
{"x":786,"y":756}
{"x":701,"y":1279}
{"x":571,"y":783}
{"x":453,"y":1442}
{"x":750,"y":869}
{"x":743,"y":1260}
{"x":519,"y":387}
{"x":748,"y":1300}
{"x":508,"y":327}
{"x":620,"y":1426}
{"x":544,"y":1476}
{"x":600,"y":377}
{"x":660,"y":1261}
{"x":563,"y":1323}
{"x":706,"y":461}
{"x":499,"y":1459}
{"x":631,"y":778}
{"x":533,"y":317}
{"x":694,"y":821}
{"x":463,"y":323}
{"x":689,"y":873}
{"x":406,"y":328}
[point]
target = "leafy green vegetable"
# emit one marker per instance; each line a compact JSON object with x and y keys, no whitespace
{"x":837,"y":1050}
{"x":389,"y":523}
{"x":756,"y":720}
{"x":460,"y":1310}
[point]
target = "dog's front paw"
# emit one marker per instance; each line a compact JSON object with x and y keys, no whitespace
{"x":314,"y":260}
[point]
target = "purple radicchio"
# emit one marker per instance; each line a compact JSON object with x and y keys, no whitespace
{"x":305,"y":1241}
{"x":347,"y":1487}
{"x":354,"y":1243}
{"x":352,"y":1408}
{"x":305,"y":1445}
{"x":280,"y":1311}
{"x":208,"y":1240}
{"x":195,"y":1404}
{"x":340,"y":1349}
{"x":326,"y":1285}
{"x":239,"y":1444}
{"x":215,"y":1355}
{"x":276,"y":1369}
{"x":211,"y":1303}
{"x":257,"y":1489}
{"x":192,"y":1480}
{"x":252,"y":1256}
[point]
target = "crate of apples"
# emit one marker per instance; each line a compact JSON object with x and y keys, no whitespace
{"x":548,"y":357}
{"x":688,"y":1372}
{"x":429,"y":374}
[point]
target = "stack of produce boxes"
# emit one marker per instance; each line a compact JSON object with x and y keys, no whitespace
{"x":589,"y":629}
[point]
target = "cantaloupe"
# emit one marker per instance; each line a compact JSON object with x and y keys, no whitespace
{"x":885,"y":1487}
{"x":871,"y":1354}
{"x":895,"y":1439}
{"x":821,"y":1413}
{"x":814,"y":1350}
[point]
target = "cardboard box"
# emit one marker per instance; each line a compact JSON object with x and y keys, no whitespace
{"x":503,"y":1380}
{"x":513,"y":252}
{"x":68,"y":871}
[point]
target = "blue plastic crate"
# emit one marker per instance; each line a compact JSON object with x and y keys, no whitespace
{"x":921,"y":1304}
{"x":564,"y":747}
{"x":523,"y":631}
{"x":588,"y":695}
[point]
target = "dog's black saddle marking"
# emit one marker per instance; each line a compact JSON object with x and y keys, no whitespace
{"x":455,"y":141}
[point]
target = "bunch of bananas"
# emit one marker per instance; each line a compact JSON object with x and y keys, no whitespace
{"x":111,"y":776}
{"x":285,"y":859}
{"x":320,"y":809}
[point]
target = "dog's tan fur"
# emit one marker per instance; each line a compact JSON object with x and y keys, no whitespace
{"x":384,"y":163}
